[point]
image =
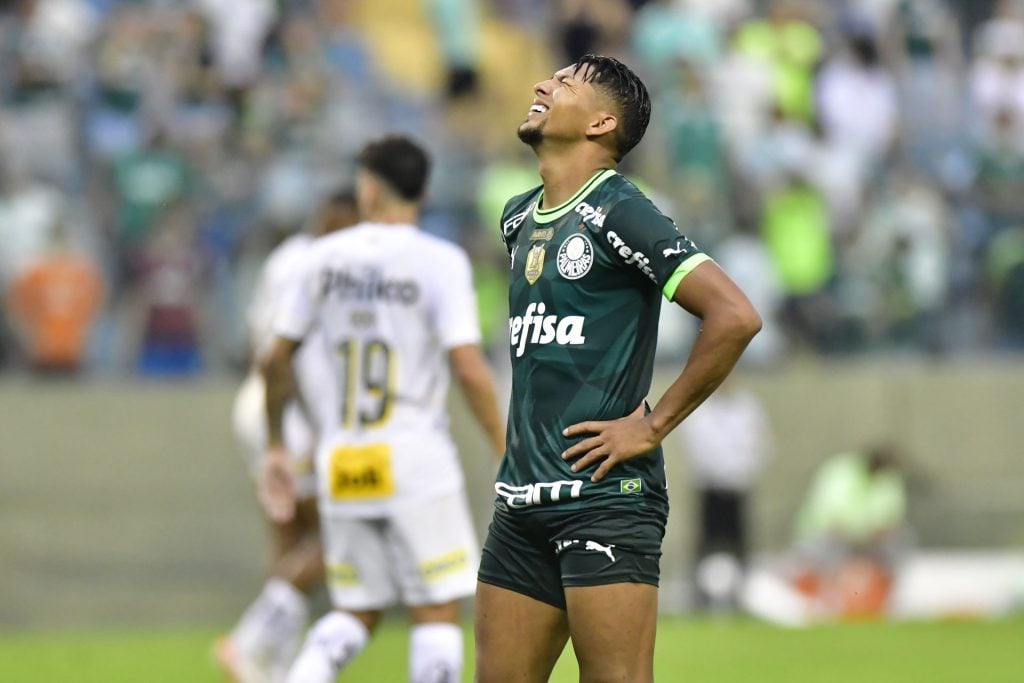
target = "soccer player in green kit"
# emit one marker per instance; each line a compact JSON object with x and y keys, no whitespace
{"x":574,"y":546}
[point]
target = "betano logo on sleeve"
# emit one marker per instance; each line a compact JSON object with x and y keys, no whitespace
{"x":536,"y":328}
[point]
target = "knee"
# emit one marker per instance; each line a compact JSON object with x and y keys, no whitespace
{"x":611,"y":673}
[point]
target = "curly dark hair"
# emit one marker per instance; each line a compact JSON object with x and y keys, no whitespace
{"x":627,"y":91}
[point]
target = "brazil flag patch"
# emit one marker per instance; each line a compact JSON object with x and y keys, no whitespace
{"x":631,"y":486}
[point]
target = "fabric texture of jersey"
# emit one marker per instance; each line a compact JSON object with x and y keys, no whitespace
{"x":587,"y":279}
{"x":389,"y":302}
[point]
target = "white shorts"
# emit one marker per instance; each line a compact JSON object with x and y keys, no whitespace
{"x":424,"y":553}
{"x":249,"y":417}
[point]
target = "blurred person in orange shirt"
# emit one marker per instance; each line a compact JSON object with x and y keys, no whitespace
{"x":53,"y":302}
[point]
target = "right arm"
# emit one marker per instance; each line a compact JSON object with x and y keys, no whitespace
{"x":474,"y":378}
{"x":277,"y":483}
{"x":291,"y":323}
{"x":279,"y":378}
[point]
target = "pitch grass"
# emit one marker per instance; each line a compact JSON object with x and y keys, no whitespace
{"x":687,"y":651}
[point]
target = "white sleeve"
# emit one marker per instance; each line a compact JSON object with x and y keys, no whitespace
{"x":300,"y":303}
{"x":455,"y":303}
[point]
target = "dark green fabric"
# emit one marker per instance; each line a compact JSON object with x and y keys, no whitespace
{"x":583,"y":349}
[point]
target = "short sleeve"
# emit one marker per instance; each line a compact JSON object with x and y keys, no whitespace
{"x":455,"y":303}
{"x":300,"y":303}
{"x":640,"y":238}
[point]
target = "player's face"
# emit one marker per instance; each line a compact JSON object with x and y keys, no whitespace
{"x":563,"y":108}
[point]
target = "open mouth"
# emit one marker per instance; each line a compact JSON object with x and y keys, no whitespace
{"x":537,"y":108}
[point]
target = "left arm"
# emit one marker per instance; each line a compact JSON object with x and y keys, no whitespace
{"x":277,"y":481}
{"x":729,"y":323}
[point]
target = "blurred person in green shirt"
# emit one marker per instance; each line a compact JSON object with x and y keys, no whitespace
{"x":850,"y":532}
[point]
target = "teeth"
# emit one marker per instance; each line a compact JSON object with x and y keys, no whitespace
{"x":538,"y":108}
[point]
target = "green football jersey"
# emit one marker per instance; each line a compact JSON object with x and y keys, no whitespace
{"x":584,"y":300}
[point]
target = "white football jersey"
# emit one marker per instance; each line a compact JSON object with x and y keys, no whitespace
{"x":281,"y":268}
{"x":389,"y":302}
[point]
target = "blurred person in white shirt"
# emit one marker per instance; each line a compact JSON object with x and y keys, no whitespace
{"x":727,"y":439}
{"x":266,"y":638}
{"x":395,"y":313}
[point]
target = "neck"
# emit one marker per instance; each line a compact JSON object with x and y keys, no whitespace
{"x":565,"y":170}
{"x":399,"y":214}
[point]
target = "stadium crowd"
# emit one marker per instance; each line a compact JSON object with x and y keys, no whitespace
{"x":857,"y":165}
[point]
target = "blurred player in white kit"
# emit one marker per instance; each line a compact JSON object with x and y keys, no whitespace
{"x":396,"y":314}
{"x":263,"y":644}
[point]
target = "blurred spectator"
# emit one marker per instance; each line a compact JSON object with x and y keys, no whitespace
{"x":899,"y":265}
{"x":598,"y":26}
{"x":923,"y":44}
{"x":30,"y":209}
{"x":796,"y":230}
{"x":665,"y":32}
{"x":857,"y":102}
{"x":750,"y":265}
{"x":146,"y":181}
{"x":728,"y":439}
{"x":695,"y":153}
{"x":997,"y":74}
{"x":238,"y":31}
{"x":458,"y":27}
{"x":999,"y":181}
{"x":1006,"y":273}
{"x":167,"y":298}
{"x":850,"y":532}
{"x":53,"y":304}
{"x":791,"y":48}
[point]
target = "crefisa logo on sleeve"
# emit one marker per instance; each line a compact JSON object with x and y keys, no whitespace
{"x":575,"y":257}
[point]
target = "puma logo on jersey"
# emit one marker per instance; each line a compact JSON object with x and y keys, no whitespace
{"x":541,"y":492}
{"x":536,"y":328}
{"x":637,"y":258}
{"x":680,"y":248}
{"x":597,"y":547}
{"x":590,"y":214}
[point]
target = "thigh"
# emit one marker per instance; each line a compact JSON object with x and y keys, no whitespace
{"x":518,"y":638}
{"x":520,"y":556}
{"x":612,"y":627}
{"x":357,"y":564}
{"x":433,"y":550}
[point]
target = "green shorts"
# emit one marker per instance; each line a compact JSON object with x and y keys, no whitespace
{"x":539,"y":553}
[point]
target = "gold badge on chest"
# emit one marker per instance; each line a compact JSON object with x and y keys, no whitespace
{"x":534,"y":263}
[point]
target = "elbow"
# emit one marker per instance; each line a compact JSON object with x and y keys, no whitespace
{"x":750,"y":323}
{"x":743,"y":322}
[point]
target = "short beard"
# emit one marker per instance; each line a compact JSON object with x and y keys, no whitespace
{"x":531,"y":135}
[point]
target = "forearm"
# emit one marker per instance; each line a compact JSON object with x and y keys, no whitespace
{"x":483,"y":402}
{"x":280,"y":383}
{"x":718,"y":347}
{"x":477,"y":385}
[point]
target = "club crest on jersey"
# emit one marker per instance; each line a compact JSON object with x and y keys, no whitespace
{"x":575,"y":257}
{"x":534,"y":263}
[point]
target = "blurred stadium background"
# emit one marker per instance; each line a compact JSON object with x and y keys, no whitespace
{"x":857,"y":165}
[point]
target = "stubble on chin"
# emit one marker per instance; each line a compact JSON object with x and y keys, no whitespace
{"x":530,"y":135}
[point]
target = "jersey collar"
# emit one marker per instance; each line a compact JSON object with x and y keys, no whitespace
{"x":547,"y":215}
